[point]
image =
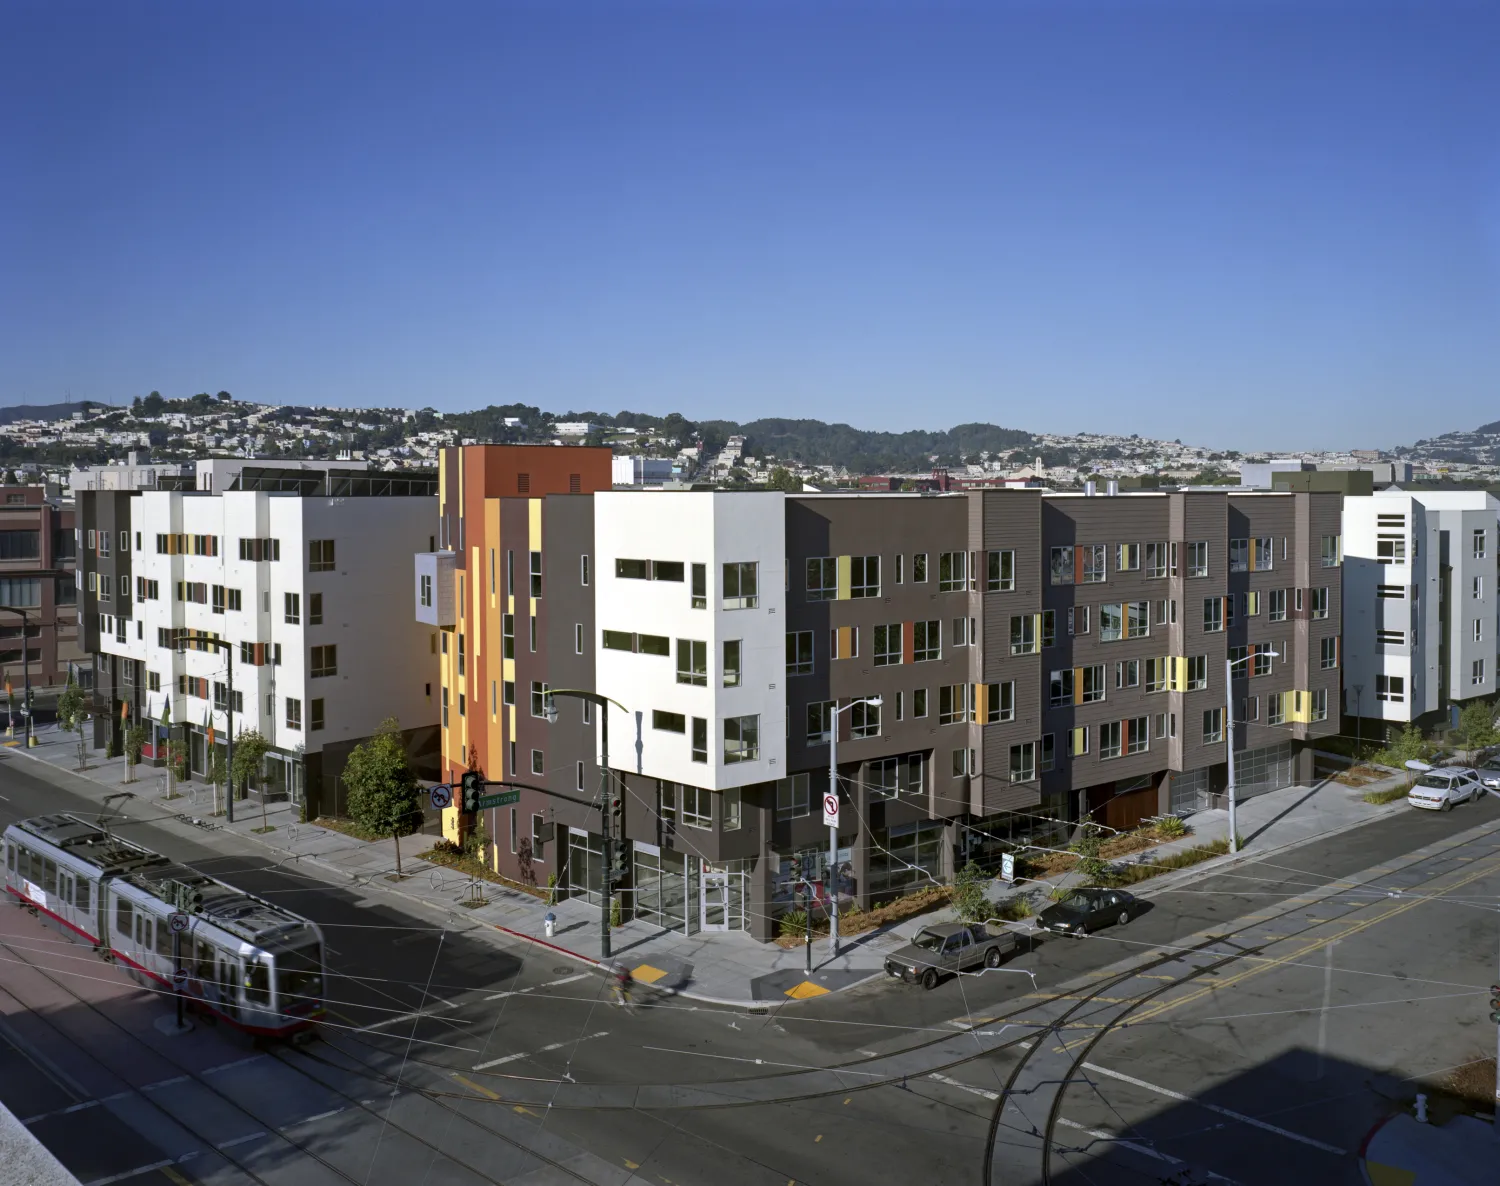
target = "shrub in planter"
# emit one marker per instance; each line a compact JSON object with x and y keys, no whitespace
{"x":794,"y":924}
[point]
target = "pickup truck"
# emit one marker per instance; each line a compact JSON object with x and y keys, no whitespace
{"x":949,"y":948}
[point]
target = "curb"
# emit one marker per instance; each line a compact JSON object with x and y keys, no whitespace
{"x":1364,"y":1145}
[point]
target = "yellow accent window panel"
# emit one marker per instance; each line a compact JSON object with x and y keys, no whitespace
{"x":845,"y":578}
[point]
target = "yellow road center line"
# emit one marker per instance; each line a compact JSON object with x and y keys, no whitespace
{"x":472,"y":1086}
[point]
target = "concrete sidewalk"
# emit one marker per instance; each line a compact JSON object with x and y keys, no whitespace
{"x":721,"y":967}
{"x":1401,"y":1152}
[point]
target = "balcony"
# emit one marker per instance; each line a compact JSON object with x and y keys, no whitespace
{"x":434,"y":589}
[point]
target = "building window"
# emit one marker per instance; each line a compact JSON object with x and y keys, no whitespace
{"x":314,"y":608}
{"x":1481,"y":539}
{"x":1332,"y":551}
{"x":1093,"y":683}
{"x":320,"y":555}
{"x":1390,"y":549}
{"x":1000,"y":703}
{"x":960,"y":764}
{"x":1276,"y":605}
{"x":799,"y":652}
{"x":1390,"y":687}
{"x":538,"y":699}
{"x":888,"y":645}
{"x":1078,"y":619}
{"x":1320,"y":603}
{"x":919,"y":568}
{"x":1109,"y":740}
{"x":1250,"y":602}
{"x":1390,"y":638}
{"x":507,"y":691}
{"x":732,"y":672}
{"x":507,"y":636}
{"x":1049,"y":627}
{"x":926,"y":641}
{"x":536,"y":574}
{"x":668,"y":722}
{"x":692,"y":661}
{"x":919,"y":702}
{"x":1023,"y":634}
{"x":1049,"y":751}
{"x":538,"y":763}
{"x":952,"y":574}
{"x":1213,"y":615}
{"x":293,"y":714}
{"x":1329,"y":653}
{"x":1478,"y":629}
{"x":1137,"y":735}
{"x":741,"y":586}
{"x":1128,"y":673}
{"x":700,"y":739}
{"x":819,"y":722}
{"x":741,"y":739}
{"x":1213,"y":725}
{"x":1061,"y":687}
{"x":1062,"y":565}
{"x":1476,"y":672}
{"x":325,"y":661}
{"x":1127,"y":557}
{"x":864,"y":576}
{"x":793,"y":800}
{"x":1318,"y":710}
{"x":1023,"y":762}
{"x":1197,"y":558}
{"x":864,"y":720}
{"x":822,"y":578}
{"x":1001,"y":574}
{"x":1476,"y":589}
{"x":1197,"y":673}
{"x":1092,"y":563}
{"x":1156,"y":675}
{"x":578,"y":638}
{"x":700,"y":586}
{"x":951,"y":704}
{"x":292,"y":604}
{"x":583,"y":572}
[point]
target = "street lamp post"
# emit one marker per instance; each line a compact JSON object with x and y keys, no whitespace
{"x":25,"y":666}
{"x":833,"y":829}
{"x":1234,"y":838}
{"x":606,"y":880}
{"x":184,"y":638}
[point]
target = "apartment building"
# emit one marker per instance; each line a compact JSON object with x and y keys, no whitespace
{"x":1419,"y":602}
{"x":36,"y":578}
{"x":304,"y":573}
{"x":1039,"y":658}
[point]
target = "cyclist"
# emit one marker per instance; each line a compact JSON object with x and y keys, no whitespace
{"x":621,"y":982}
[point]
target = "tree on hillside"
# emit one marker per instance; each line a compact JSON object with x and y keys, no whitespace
{"x":382,"y":790}
{"x":782,"y":478}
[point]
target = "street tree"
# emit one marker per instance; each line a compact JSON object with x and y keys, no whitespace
{"x":72,"y":712}
{"x":250,"y":749}
{"x":382,"y":790}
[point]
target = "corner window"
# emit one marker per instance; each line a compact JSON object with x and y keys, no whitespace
{"x":741,"y":739}
{"x":741,"y":587}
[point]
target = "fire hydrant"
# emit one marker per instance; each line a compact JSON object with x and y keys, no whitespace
{"x":549,"y":923}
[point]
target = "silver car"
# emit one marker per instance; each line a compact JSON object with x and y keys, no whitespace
{"x":1439,"y":790}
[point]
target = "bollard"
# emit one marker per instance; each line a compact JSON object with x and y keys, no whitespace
{"x":1421,"y":1109}
{"x":549,"y":923}
{"x":807,"y":942}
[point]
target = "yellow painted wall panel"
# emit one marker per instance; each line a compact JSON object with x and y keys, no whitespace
{"x":845,"y":578}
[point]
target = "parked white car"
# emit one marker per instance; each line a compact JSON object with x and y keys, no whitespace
{"x":1440,"y":789}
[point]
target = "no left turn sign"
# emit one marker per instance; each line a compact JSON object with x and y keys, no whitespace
{"x":442,"y":796}
{"x":179,"y":922}
{"x":831,"y":810}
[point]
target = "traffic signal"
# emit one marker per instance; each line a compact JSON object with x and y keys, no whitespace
{"x":1495,"y":1003}
{"x":186,"y":898}
{"x":473,"y":787}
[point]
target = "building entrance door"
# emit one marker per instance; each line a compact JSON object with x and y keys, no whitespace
{"x":714,"y":902}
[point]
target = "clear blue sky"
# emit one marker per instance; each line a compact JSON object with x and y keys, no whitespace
{"x":1264,"y":225}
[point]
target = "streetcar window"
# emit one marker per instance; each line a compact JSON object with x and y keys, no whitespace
{"x":257,"y":983}
{"x":23,"y":864}
{"x":10,"y":857}
{"x":122,"y":916}
{"x":299,"y":974}
{"x":82,"y":898}
{"x":205,"y":960}
{"x":49,"y":875}
{"x":163,"y":939}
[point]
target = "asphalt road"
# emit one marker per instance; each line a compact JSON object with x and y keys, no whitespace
{"x":493,"y":1047}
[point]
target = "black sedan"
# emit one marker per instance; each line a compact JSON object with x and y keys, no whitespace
{"x":1085,"y":910}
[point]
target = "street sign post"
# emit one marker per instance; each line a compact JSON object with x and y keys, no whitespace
{"x":500,"y":799}
{"x":441,"y":796}
{"x":1008,"y":868}
{"x":179,"y":976}
{"x":830,"y":810}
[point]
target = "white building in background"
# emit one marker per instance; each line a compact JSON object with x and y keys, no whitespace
{"x":313,"y":592}
{"x":690,"y":607}
{"x":642,"y":471}
{"x":1420,"y":625}
{"x":574,"y":428}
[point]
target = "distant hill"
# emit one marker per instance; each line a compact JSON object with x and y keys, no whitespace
{"x":45,"y":411}
{"x":1479,"y":446}
{"x":811,"y":442}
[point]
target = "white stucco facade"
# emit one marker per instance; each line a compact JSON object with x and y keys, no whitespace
{"x":276,"y":610}
{"x":1419,"y":601}
{"x":692,"y":529}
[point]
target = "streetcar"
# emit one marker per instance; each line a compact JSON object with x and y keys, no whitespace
{"x":244,"y":960}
